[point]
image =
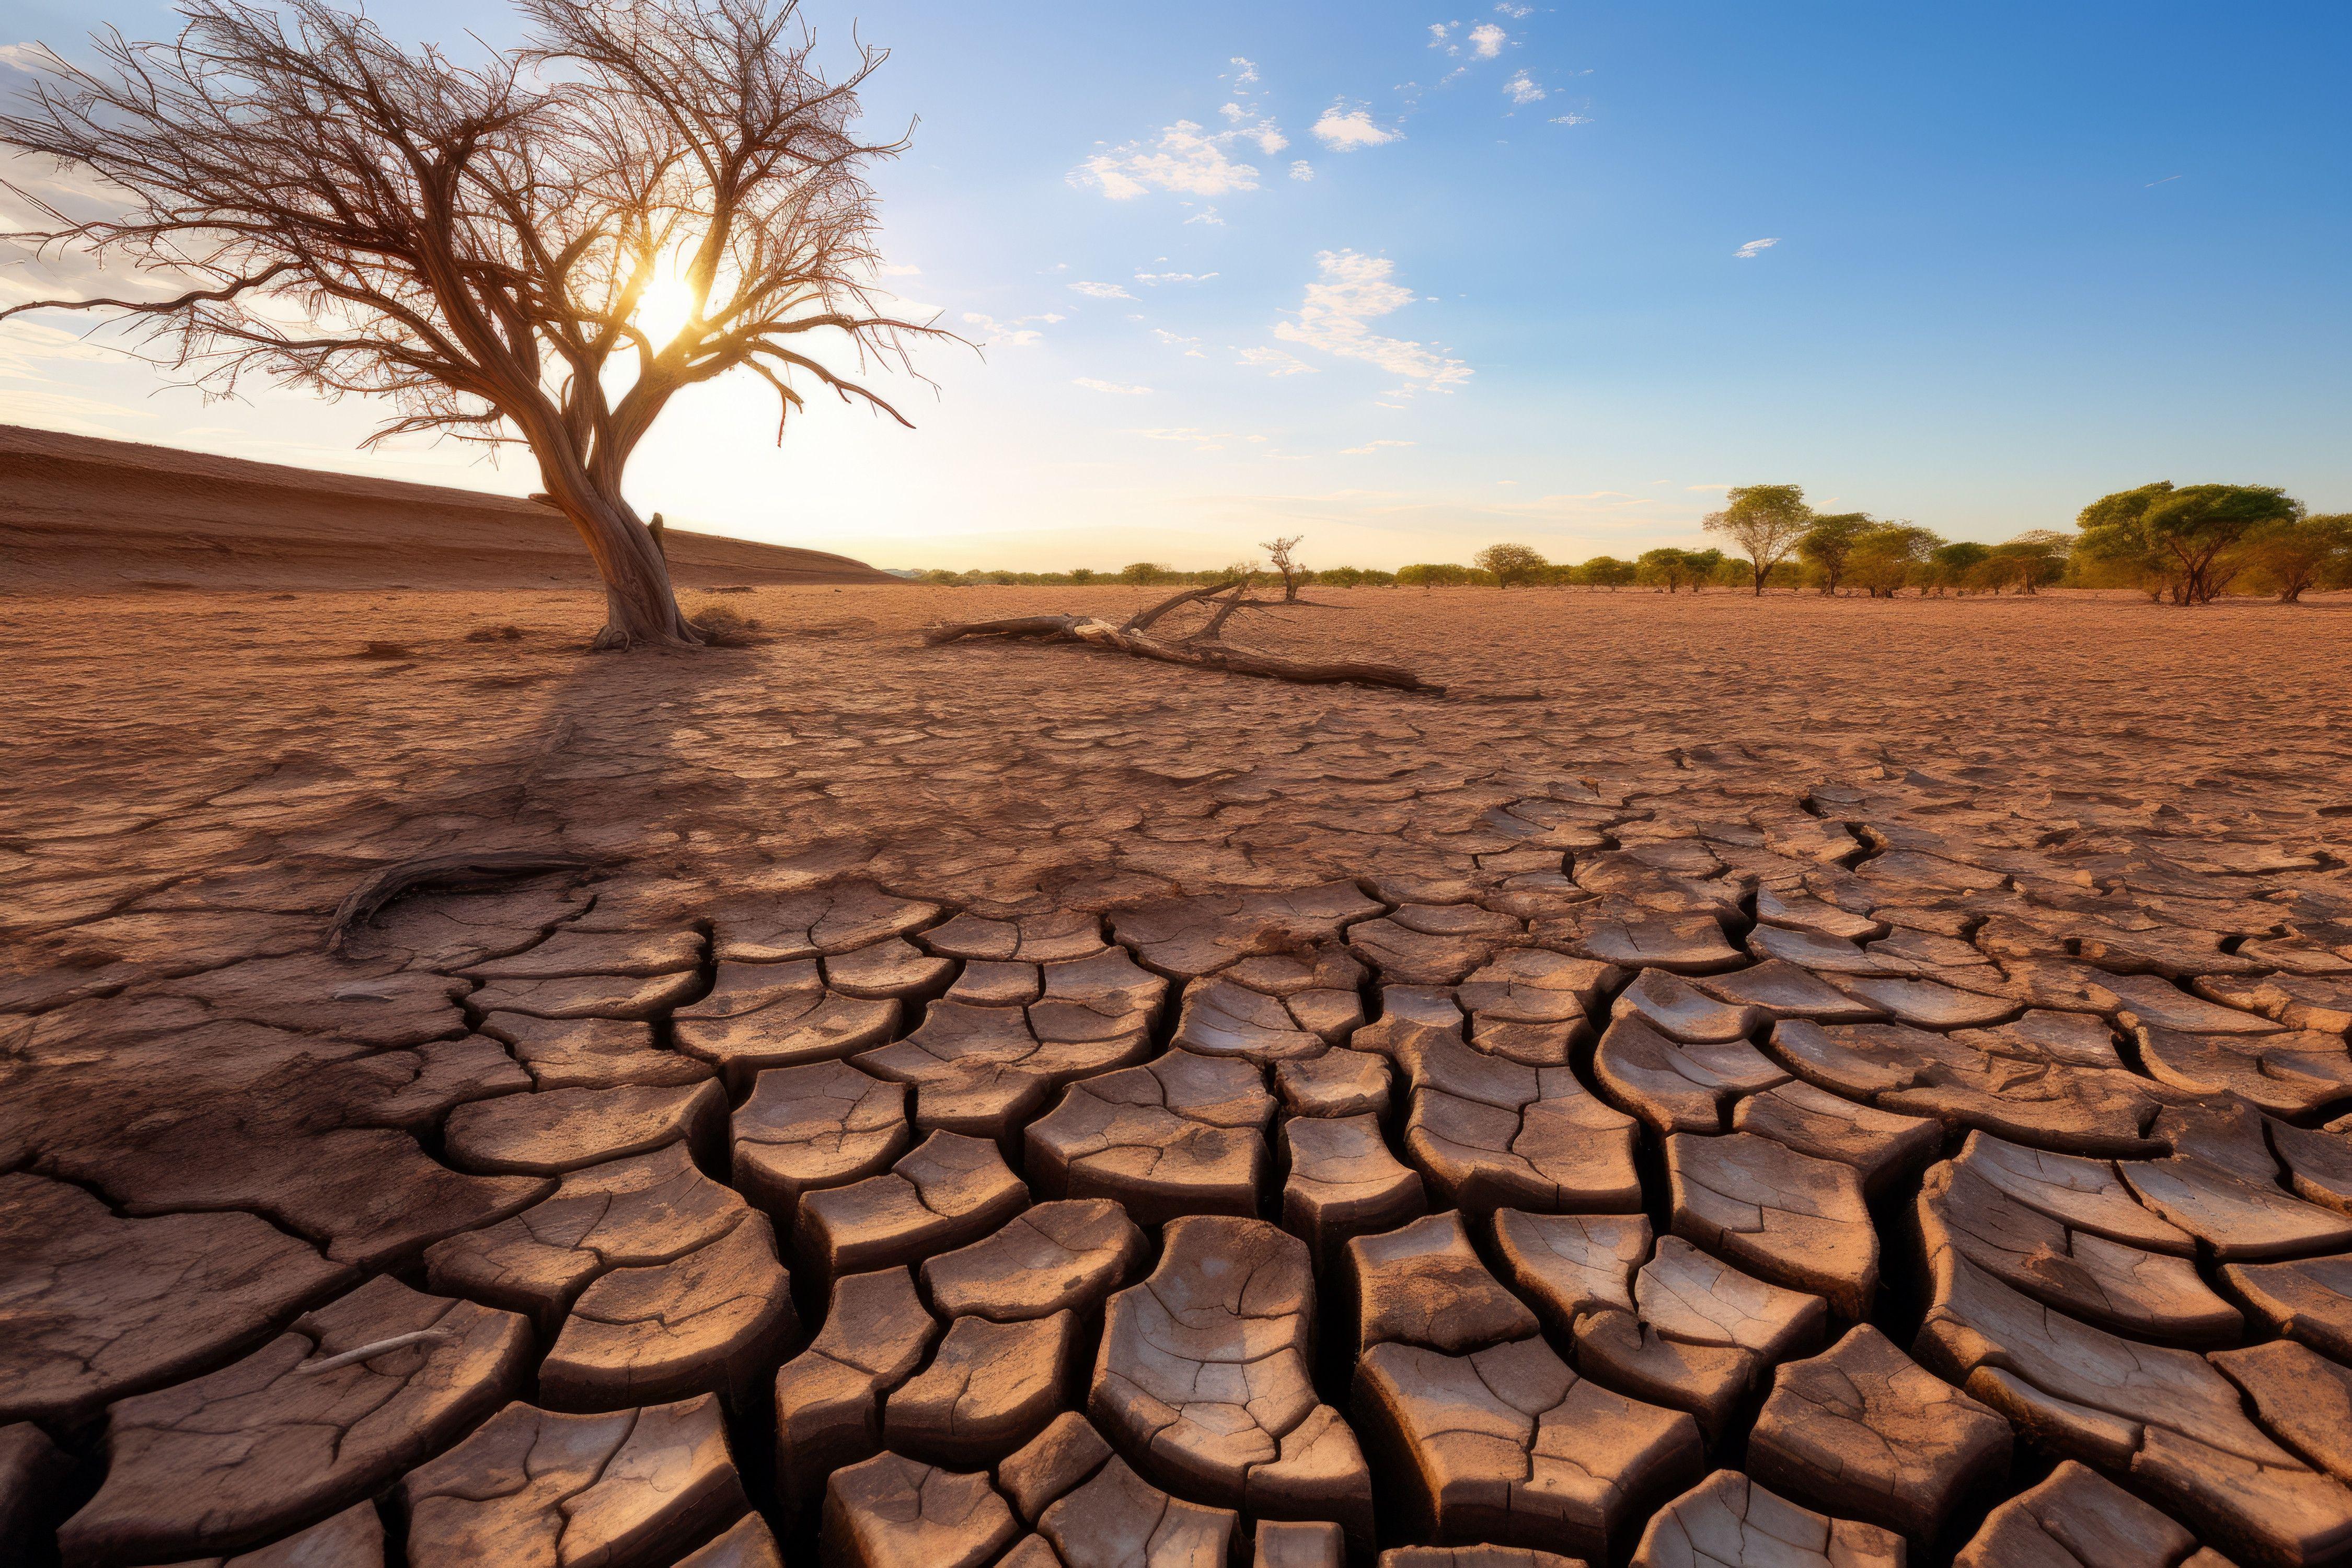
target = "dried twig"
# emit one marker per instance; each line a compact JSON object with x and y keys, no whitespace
{"x":369,"y":1351}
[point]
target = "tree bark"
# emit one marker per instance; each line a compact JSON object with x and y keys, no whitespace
{"x":640,"y":603}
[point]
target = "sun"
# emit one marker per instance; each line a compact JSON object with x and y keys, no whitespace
{"x":666,"y":306}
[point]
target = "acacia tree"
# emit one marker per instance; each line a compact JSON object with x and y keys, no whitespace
{"x":477,"y":244}
{"x":1888,"y":557}
{"x":2180,"y":542}
{"x":1765,"y":521}
{"x":1827,"y":541}
{"x":1607,"y":571}
{"x":1668,"y":565}
{"x":1510,"y":563}
{"x":2030,"y":562}
{"x":1957,"y":565}
{"x":2293,"y":555}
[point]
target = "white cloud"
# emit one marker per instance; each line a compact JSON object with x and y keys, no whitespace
{"x":1522,"y":89}
{"x":995,"y":334}
{"x":1206,"y":215}
{"x":1273,"y":361}
{"x":1156,"y":279}
{"x":1369,"y":447}
{"x":1091,"y":384}
{"x":1101,"y":291}
{"x":1302,"y":170}
{"x":1183,"y":157}
{"x":1351,"y":289}
{"x":1507,"y":9}
{"x":1437,"y":33}
{"x":1487,"y":40}
{"x":1754,"y":248}
{"x":1244,"y":72}
{"x":1350,"y":130}
{"x":1571,"y":119}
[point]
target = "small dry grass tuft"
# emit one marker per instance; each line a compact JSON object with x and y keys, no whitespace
{"x":495,"y":633}
{"x":385,"y":650}
{"x":723,"y":625}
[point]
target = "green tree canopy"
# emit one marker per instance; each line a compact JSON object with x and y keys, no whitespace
{"x":1606,"y":572}
{"x":2180,"y":542}
{"x":2030,"y":562}
{"x":1510,"y":564}
{"x":1432,"y":575}
{"x":1831,"y":539}
{"x":1765,"y":521}
{"x":2290,"y":556}
{"x":1956,"y":566}
{"x":1667,"y":565}
{"x":1890,"y":557}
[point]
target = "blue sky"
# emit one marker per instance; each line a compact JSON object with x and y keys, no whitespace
{"x":2020,"y":255}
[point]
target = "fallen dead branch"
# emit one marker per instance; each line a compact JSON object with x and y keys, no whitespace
{"x":1204,"y":648}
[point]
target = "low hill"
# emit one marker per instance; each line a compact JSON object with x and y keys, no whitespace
{"x":81,"y":514}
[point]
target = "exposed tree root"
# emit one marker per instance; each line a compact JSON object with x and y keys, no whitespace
{"x":465,"y":869}
{"x":1203,"y":648}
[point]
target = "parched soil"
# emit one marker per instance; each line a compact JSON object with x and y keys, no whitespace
{"x":1820,"y":1072}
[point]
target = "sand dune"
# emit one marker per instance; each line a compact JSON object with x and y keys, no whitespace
{"x":79,"y":514}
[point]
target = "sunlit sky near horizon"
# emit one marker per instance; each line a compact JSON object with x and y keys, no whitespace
{"x":1408,"y":279}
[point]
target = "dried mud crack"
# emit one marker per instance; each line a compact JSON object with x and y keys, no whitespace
{"x":1721,"y":1156}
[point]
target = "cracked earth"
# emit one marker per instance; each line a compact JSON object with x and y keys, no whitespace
{"x":1785,"y":1083}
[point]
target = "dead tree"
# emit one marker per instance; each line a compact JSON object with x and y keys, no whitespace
{"x":1293,"y":576}
{"x":542,"y":249}
{"x":1204,"y":646}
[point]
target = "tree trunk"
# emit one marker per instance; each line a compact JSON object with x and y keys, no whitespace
{"x":640,"y":605}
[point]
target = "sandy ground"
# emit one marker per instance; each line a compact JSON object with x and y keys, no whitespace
{"x":213,"y":1132}
{"x":157,"y":737}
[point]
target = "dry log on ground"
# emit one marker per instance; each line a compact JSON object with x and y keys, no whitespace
{"x":1203,"y":649}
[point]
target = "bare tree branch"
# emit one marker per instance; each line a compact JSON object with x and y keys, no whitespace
{"x":479,"y":244}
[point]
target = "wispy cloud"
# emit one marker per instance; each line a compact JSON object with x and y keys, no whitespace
{"x":995,"y":334}
{"x":1369,"y":447}
{"x":1523,"y":88}
{"x":1507,"y":9}
{"x":1350,"y":291}
{"x":1155,"y":278}
{"x":1100,"y":291}
{"x":1302,"y":170}
{"x":1206,"y":215}
{"x":1345,"y":130}
{"x":1273,"y":361}
{"x":1754,"y":248}
{"x":1093,"y":385}
{"x":1571,"y":119}
{"x":1487,"y":40}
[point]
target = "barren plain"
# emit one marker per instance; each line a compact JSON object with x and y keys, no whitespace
{"x":1734,"y":1081}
